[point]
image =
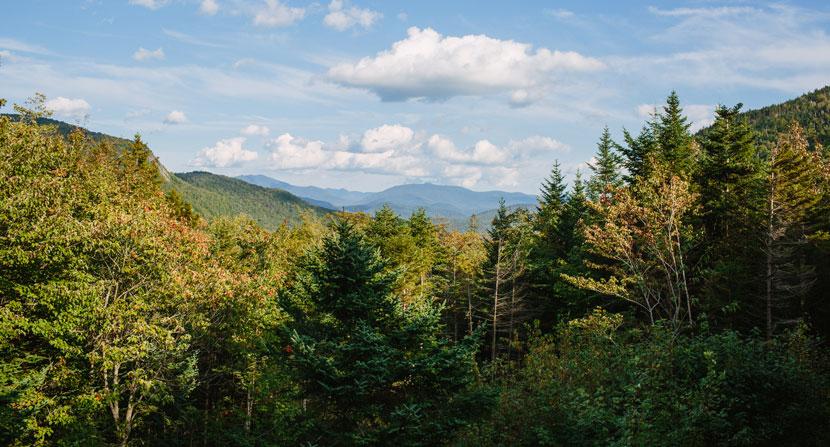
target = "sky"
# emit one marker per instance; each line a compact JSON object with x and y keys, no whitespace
{"x":369,"y":94}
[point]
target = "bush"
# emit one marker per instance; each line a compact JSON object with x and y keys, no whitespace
{"x":592,"y":383}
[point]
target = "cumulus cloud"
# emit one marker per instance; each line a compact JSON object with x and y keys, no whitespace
{"x":175,"y":117}
{"x":149,"y":4}
{"x":341,"y":18}
{"x":225,"y":153}
{"x":74,"y":108}
{"x":431,"y":66}
{"x":293,"y":153}
{"x":208,"y":7}
{"x":255,"y":129}
{"x":387,"y":137}
{"x":143,"y":54}
{"x":483,"y":152}
{"x":275,"y":14}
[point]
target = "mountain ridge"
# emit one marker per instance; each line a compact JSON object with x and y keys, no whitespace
{"x":439,"y":201}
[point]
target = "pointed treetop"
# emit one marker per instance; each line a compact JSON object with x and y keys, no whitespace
{"x":552,"y":193}
{"x":606,"y":168}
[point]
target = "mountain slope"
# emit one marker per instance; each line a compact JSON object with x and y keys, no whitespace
{"x":213,"y":195}
{"x":811,"y":111}
{"x":325,"y":197}
{"x":440,"y":201}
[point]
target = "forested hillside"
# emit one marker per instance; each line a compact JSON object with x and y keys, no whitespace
{"x":811,"y":111}
{"x":213,"y":195}
{"x":677,"y":293}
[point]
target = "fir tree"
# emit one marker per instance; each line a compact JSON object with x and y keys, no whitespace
{"x":730,"y":188}
{"x":606,"y":168}
{"x":552,"y":199}
{"x":375,"y":371}
{"x":638,"y":151}
{"x":677,"y":148}
{"x":793,"y":191}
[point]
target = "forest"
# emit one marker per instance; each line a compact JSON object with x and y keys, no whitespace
{"x":677,"y":292}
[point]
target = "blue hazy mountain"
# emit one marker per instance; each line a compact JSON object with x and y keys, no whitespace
{"x":452,"y":202}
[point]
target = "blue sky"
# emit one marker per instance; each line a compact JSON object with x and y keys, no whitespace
{"x":368,"y":94}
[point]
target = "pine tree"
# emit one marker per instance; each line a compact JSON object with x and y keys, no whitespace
{"x":606,"y":168}
{"x":730,"y":185}
{"x":638,"y":151}
{"x":793,"y":191}
{"x":552,"y":199}
{"x":375,"y":372}
{"x":676,"y":145}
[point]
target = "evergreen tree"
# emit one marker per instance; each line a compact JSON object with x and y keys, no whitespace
{"x":793,"y":191}
{"x":638,"y":151}
{"x":606,"y":168}
{"x":676,"y":145}
{"x":552,"y":199}
{"x":730,"y":185}
{"x":374,"y":371}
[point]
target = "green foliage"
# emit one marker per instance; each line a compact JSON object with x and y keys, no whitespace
{"x":593,"y":383}
{"x":730,"y":182}
{"x":606,"y":168}
{"x":142,"y":308}
{"x":212,"y":196}
{"x":811,"y":111}
{"x":373,"y":371}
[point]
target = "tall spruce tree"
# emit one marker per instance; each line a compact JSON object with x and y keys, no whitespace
{"x":676,"y":146}
{"x":730,"y":185}
{"x":374,"y":371}
{"x":606,"y":169}
{"x":793,"y":190}
{"x":552,"y":199}
{"x":638,"y":151}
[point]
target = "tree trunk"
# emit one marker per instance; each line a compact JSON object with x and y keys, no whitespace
{"x":496,"y":303}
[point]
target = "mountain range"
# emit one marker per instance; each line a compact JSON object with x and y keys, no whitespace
{"x":272,"y":202}
{"x":439,"y":201}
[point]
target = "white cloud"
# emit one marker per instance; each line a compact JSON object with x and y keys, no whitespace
{"x":276,"y":14}
{"x":149,"y":4}
{"x":175,"y":117}
{"x":143,"y":54}
{"x":431,"y":66}
{"x":535,"y":145}
{"x":292,"y":153}
{"x":466,"y":176}
{"x":16,"y":45}
{"x":387,"y":137}
{"x":255,"y":129}
{"x":767,"y":46}
{"x":341,"y":18}
{"x":403,"y":17}
{"x":483,"y":152}
{"x":486,"y":152}
{"x":74,"y":108}
{"x":208,"y":7}
{"x":225,"y":153}
{"x":288,"y":152}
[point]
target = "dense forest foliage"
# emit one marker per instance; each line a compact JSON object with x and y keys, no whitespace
{"x":811,"y":111}
{"x":213,"y":195}
{"x":677,"y":294}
